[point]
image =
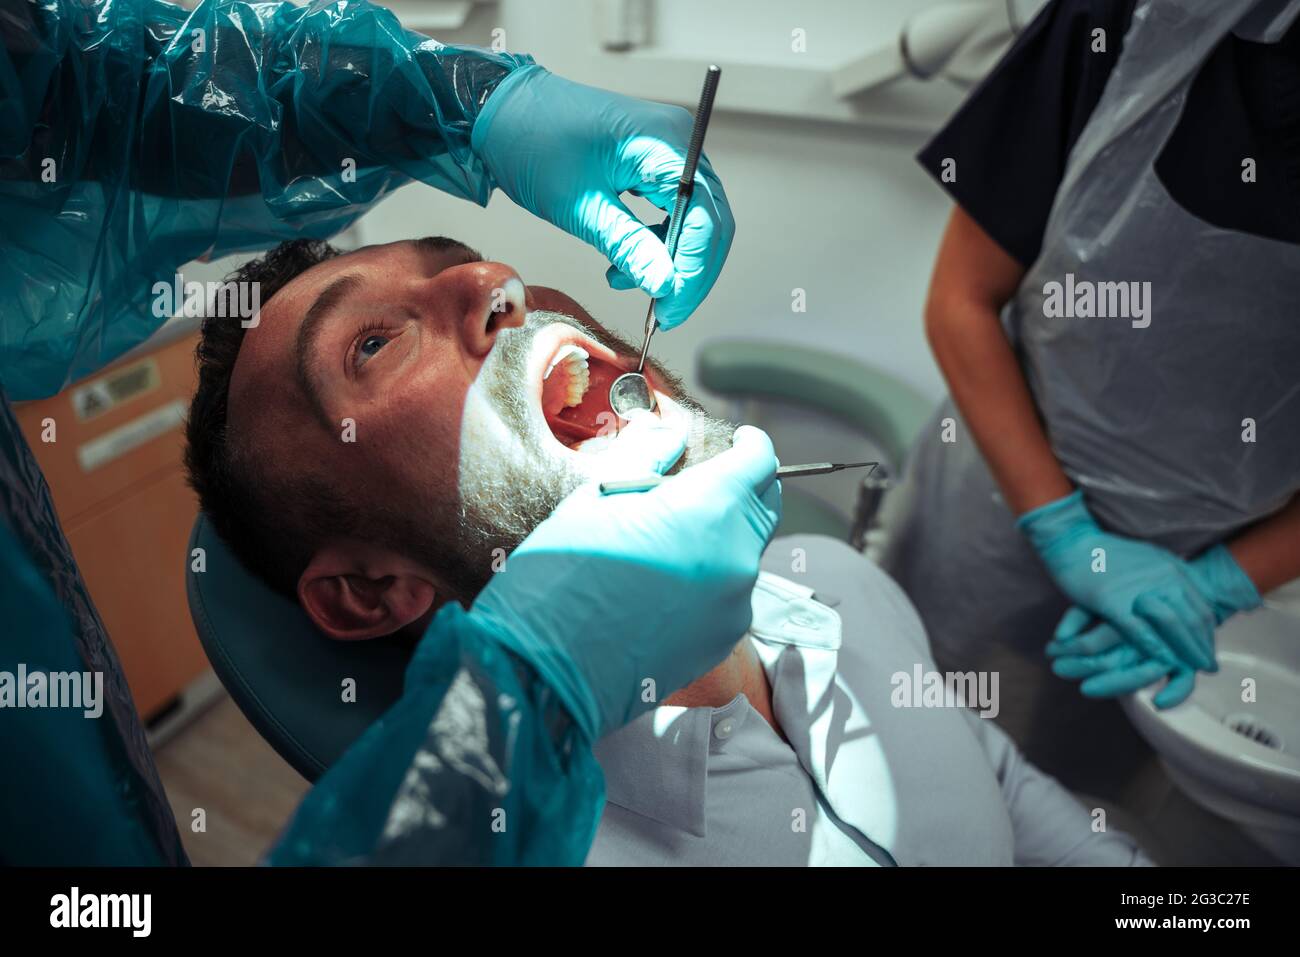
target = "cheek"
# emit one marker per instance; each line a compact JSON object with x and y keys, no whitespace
{"x":421,"y":434}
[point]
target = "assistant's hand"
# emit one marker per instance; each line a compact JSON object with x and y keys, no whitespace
{"x":1109,"y":666}
{"x":612,"y":592}
{"x":565,"y":151}
{"x":1147,"y":593}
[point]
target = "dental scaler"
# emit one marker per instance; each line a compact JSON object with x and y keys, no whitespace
{"x":631,"y":390}
{"x":784,"y":472}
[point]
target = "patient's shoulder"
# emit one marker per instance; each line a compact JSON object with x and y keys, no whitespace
{"x":848,"y":581}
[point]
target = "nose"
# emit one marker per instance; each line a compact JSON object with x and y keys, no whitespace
{"x":487,"y":297}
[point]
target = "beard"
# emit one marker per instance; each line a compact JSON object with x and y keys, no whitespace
{"x":509,"y":482}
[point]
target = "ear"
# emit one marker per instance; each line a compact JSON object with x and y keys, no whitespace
{"x":352,"y":591}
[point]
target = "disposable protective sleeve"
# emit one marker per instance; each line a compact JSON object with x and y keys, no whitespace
{"x":477,"y":763}
{"x":136,"y":136}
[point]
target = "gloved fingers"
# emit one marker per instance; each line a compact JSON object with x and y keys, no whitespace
{"x":1092,"y":642}
{"x":631,"y":246}
{"x":771,"y":508}
{"x":1074,"y":667}
{"x":1138,"y":633}
{"x":708,"y":229}
{"x":648,"y":443}
{"x":1074,"y":621}
{"x":651,"y":166}
{"x":621,"y":281}
{"x":702,"y":248}
{"x":1124,"y":680}
{"x":1176,"y":691}
{"x":1170,"y":620}
{"x":1193,"y":609}
{"x":751,"y":461}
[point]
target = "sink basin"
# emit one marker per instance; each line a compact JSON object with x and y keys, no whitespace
{"x":1241,"y":758}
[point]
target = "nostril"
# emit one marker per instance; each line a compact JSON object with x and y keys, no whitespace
{"x":497,"y":316}
{"x":508,"y":305}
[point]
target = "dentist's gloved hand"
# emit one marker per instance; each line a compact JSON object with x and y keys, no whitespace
{"x":614,"y":592}
{"x":1098,"y":654}
{"x":1146,"y":593}
{"x":565,"y":152}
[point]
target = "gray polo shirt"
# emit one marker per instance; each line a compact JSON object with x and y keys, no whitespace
{"x":864,"y":779}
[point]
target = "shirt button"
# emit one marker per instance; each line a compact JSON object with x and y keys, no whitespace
{"x":723,"y":729}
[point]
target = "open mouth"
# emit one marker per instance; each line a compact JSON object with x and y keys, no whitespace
{"x":575,"y":391}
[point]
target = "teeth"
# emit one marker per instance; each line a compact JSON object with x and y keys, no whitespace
{"x":578,"y":376}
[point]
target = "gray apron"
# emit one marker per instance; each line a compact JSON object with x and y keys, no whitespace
{"x":1145,"y":414}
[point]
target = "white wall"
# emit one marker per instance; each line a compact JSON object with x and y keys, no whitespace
{"x":842,"y":213}
{"x":840,"y":210}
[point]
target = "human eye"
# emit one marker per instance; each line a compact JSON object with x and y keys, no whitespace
{"x":368,"y":343}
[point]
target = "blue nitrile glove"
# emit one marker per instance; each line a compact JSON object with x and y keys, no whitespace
{"x":1147,"y":593}
{"x":1223,"y":583}
{"x":1110,"y":667}
{"x":613,"y":592}
{"x":565,"y":152}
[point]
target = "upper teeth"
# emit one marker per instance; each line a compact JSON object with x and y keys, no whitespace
{"x":574,"y":360}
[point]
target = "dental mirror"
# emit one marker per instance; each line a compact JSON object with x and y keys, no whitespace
{"x":629,"y":392}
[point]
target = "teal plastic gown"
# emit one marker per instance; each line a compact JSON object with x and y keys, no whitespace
{"x":134,"y":137}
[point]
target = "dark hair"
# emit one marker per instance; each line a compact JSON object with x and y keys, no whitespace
{"x":272,"y":522}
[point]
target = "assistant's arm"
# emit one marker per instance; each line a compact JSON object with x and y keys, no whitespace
{"x":1051,"y":828}
{"x":1269,"y":551}
{"x":973,"y":279}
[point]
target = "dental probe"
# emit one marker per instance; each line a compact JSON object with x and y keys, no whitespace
{"x":630,"y":390}
{"x":785,"y":471}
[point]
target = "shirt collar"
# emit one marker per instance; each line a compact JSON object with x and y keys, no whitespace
{"x":657,"y":766}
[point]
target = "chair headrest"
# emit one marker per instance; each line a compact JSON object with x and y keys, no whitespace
{"x":285,"y":676}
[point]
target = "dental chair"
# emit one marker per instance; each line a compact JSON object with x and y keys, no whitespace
{"x":285,"y":676}
{"x":288,"y":679}
{"x":843,"y":409}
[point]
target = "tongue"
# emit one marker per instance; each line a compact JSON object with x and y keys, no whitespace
{"x":588,"y":418}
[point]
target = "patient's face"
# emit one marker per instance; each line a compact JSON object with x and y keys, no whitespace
{"x":421,"y":381}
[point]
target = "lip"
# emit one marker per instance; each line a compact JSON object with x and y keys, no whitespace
{"x":548,"y":343}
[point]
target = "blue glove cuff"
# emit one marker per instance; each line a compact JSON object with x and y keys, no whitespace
{"x":1046,"y":522}
{"x":1222,"y":581}
{"x":483,"y":122}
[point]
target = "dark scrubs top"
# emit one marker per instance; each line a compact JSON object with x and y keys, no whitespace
{"x":1013,"y":134}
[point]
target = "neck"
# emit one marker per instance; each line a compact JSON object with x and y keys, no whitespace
{"x":740,"y":673}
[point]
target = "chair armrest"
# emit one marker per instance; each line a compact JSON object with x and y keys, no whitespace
{"x":885,"y":408}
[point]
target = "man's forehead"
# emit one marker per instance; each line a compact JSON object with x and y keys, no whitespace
{"x":267,"y":351}
{"x":290,"y":304}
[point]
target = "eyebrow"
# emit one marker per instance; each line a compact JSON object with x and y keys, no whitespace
{"x":313,"y":324}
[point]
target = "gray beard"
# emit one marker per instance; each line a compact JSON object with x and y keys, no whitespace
{"x":504,"y":497}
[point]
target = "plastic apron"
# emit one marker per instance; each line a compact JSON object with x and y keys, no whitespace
{"x":1148,"y":421}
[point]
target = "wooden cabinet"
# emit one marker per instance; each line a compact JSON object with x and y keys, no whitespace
{"x":115,"y":471}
